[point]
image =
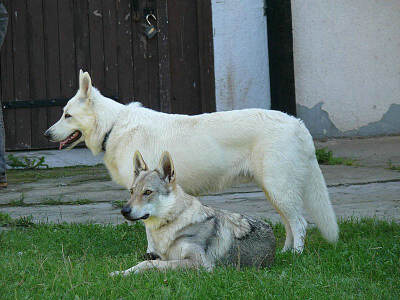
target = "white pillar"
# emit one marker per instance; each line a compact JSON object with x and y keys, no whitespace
{"x":240,"y":54}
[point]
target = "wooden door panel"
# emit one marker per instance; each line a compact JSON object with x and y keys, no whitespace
{"x":48,"y":41}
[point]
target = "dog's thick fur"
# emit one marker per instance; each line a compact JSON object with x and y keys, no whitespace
{"x":211,"y":152}
{"x":184,"y":233}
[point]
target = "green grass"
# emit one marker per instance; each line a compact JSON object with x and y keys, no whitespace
{"x":19,"y":202}
{"x":51,"y":201}
{"x":6,"y":220}
{"x":119,"y":203}
{"x":24,"y":176}
{"x":74,"y":262}
{"x":393,"y":167}
{"x":325,"y":157}
{"x":47,"y":201}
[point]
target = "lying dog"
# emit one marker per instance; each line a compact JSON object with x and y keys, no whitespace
{"x":211,"y":152}
{"x":186,"y":234}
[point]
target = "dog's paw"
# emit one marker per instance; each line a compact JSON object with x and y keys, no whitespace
{"x":118,"y":273}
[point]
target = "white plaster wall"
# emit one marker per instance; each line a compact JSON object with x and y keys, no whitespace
{"x":347,"y":56}
{"x":240,"y":54}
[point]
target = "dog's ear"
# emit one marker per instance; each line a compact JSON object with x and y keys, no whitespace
{"x":85,"y":84}
{"x":166,"y":167}
{"x":139,"y":164}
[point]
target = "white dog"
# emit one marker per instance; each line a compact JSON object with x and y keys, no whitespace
{"x":211,"y":152}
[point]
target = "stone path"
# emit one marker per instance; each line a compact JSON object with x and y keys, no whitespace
{"x":368,"y":190}
{"x":356,"y":193}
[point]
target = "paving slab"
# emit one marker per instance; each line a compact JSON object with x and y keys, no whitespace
{"x":99,"y":213}
{"x":381,"y":200}
{"x":84,"y":187}
{"x":375,"y":151}
{"x":371,"y":152}
{"x":345,"y":175}
{"x":63,"y":158}
{"x":96,"y":188}
{"x":96,"y":191}
{"x":369,"y":189}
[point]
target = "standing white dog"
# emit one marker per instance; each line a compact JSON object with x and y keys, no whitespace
{"x":211,"y":151}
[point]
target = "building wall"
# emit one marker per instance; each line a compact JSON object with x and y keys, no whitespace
{"x":240,"y":54}
{"x":347,"y":66}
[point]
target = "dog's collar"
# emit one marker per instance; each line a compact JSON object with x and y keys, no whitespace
{"x":104,"y":144}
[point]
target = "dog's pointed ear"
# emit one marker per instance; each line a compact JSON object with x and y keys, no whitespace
{"x":85,"y":84}
{"x":139,"y":164}
{"x":166,"y":167}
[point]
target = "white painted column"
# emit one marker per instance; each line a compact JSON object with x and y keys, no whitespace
{"x":240,"y":54}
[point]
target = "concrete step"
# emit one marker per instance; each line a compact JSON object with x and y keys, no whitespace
{"x":381,"y":200}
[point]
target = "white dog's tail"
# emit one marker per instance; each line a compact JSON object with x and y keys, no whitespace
{"x":318,"y":205}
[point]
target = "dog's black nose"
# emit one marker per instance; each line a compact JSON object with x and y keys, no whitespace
{"x":126,"y":210}
{"x":47,"y":134}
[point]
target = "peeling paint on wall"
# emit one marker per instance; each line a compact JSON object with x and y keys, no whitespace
{"x":346,"y":55}
{"x":317,"y":121}
{"x":389,"y":124}
{"x":320,"y":125}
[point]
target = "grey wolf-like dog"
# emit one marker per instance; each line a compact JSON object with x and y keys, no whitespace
{"x":186,"y":234}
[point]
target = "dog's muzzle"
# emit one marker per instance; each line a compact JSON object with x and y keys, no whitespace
{"x":126,"y":212}
{"x":47,"y":134}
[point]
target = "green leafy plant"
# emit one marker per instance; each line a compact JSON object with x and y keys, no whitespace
{"x":24,"y":221}
{"x":25,"y":162}
{"x":325,"y":157}
{"x":6,"y":220}
{"x":393,"y":167}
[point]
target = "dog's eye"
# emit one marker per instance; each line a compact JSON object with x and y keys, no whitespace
{"x":67,"y":116}
{"x":147,"y":192}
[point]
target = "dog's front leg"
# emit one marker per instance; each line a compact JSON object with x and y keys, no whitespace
{"x":165,"y":265}
{"x":158,"y":264}
{"x":150,"y":243}
{"x":128,"y":271}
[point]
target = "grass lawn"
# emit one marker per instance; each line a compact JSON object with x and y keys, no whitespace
{"x":73,"y":262}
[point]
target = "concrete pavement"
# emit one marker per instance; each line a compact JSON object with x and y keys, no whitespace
{"x":368,"y":152}
{"x":368,"y":189}
{"x":63,"y":158}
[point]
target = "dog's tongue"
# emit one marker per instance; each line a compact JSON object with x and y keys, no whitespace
{"x":62,"y":143}
{"x":68,"y":139}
